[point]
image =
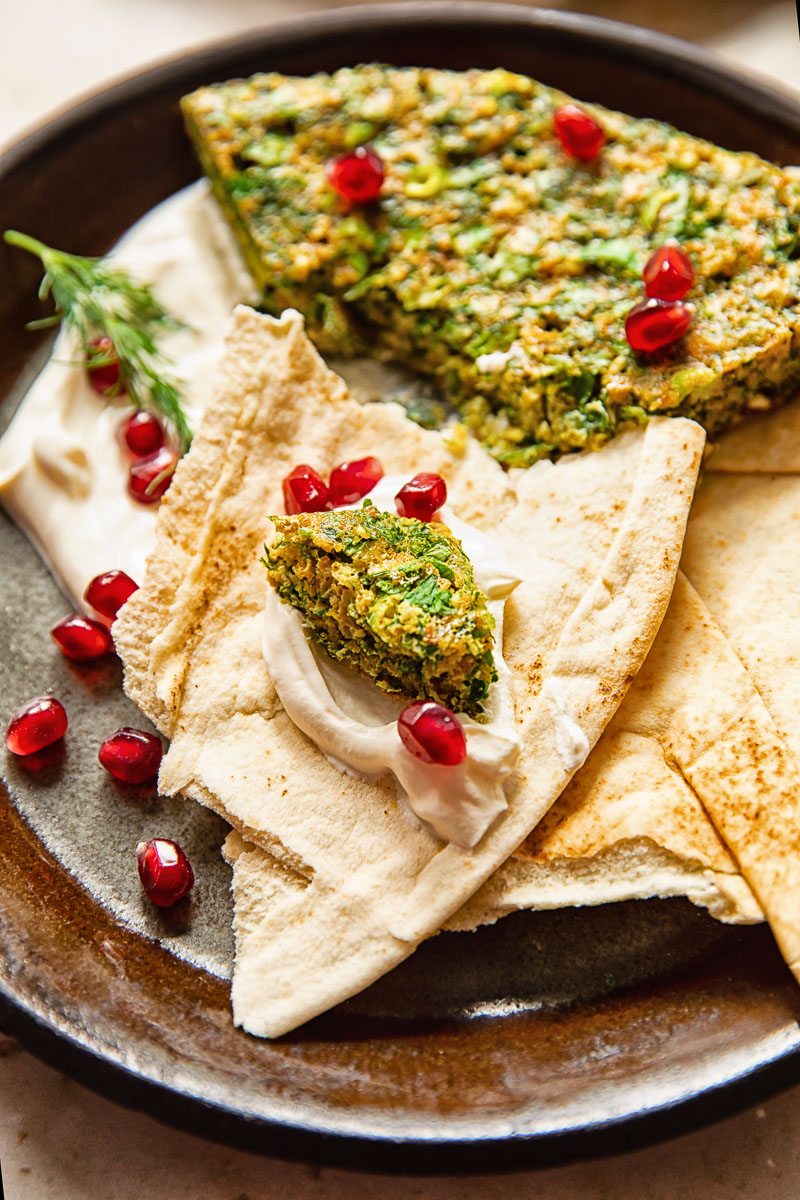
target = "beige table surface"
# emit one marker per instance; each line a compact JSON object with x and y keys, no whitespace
{"x":59,"y":1141}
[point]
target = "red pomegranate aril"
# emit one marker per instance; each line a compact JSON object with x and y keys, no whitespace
{"x":131,"y":755}
{"x":142,"y":433}
{"x":37,"y":724}
{"x":107,"y":593}
{"x":305,"y":491}
{"x":104,"y":379}
{"x":432,"y":733}
{"x":150,"y":477}
{"x":358,"y":175}
{"x":353,"y":480}
{"x":422,"y":496}
{"x":82,"y":639}
{"x":668,"y":273}
{"x":164,"y":870}
{"x":653,"y":324}
{"x":580,"y":135}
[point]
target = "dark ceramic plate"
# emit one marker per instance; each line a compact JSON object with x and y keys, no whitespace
{"x":547,"y":1037}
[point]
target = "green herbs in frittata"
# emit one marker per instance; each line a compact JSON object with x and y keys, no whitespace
{"x":497,"y":264}
{"x":395,"y":599}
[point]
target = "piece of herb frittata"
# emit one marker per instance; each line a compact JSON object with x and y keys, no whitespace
{"x":393,"y":598}
{"x":495,"y":262}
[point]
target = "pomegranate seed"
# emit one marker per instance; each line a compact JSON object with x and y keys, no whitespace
{"x":142,"y":433}
{"x":36,"y":725}
{"x":103,"y":379}
{"x":81,"y":638}
{"x":358,"y":176}
{"x":352,"y":480}
{"x":431,"y":732}
{"x":131,"y":755}
{"x":580,"y":136}
{"x":164,"y":870}
{"x":107,"y":593}
{"x":421,"y":497}
{"x":150,"y":477}
{"x":653,"y":324}
{"x":668,"y":273}
{"x":305,"y":491}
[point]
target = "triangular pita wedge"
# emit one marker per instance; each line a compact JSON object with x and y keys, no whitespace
{"x":628,"y":825}
{"x":597,"y":542}
{"x":743,"y":555}
{"x":633,"y":821}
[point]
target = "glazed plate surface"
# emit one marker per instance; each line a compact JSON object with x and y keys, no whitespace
{"x":546,"y":1037}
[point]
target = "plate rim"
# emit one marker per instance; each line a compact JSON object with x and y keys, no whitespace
{"x":686,"y":60}
{"x":381,"y":1151}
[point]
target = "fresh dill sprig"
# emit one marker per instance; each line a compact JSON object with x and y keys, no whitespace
{"x":99,"y":301}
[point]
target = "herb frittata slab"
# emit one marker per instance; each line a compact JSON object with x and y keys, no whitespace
{"x":394,"y":598}
{"x":499,"y":265}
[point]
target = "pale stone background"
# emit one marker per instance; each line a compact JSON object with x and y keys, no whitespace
{"x":61,"y":1142}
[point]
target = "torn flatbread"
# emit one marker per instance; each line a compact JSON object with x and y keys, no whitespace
{"x":634,"y":821}
{"x":628,"y":825}
{"x":596,"y":539}
{"x":742,"y":556}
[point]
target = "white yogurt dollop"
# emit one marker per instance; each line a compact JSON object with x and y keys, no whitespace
{"x":355,"y":724}
{"x":63,"y":472}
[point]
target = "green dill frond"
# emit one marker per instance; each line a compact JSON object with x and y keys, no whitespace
{"x":98,"y":300}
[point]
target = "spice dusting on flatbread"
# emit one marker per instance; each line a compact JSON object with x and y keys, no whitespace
{"x":629,"y":826}
{"x":741,"y":555}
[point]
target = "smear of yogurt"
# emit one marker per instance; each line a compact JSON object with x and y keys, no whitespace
{"x":571,"y":742}
{"x":63,"y":472}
